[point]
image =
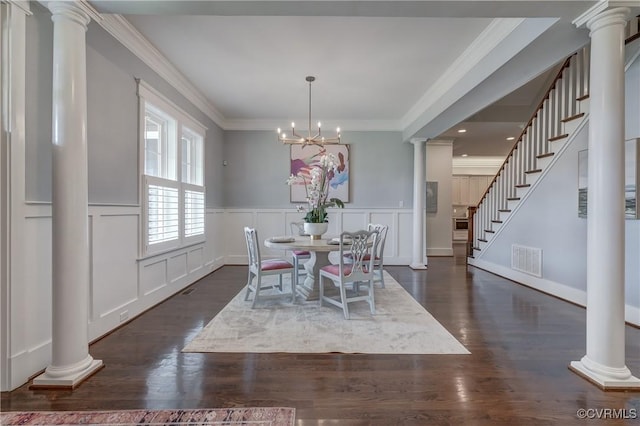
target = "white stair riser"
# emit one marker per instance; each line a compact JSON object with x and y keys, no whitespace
{"x":570,"y":126}
{"x":531,"y":178}
{"x":556,"y":146}
{"x":521,"y":191}
{"x":542,"y":163}
{"x":583,"y":106}
{"x":511,"y":204}
{"x":504,"y":215}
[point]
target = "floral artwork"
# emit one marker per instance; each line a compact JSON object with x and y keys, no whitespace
{"x":306,"y":157}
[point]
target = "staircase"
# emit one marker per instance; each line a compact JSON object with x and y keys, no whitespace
{"x":561,"y":113}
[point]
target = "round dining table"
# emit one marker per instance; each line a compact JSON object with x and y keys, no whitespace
{"x":319,"y":256}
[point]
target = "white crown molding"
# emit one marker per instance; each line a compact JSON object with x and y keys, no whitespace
{"x":346,"y":126}
{"x":132,"y":39}
{"x":489,"y":39}
{"x":598,"y":8}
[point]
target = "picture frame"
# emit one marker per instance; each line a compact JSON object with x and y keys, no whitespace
{"x":432,"y":197}
{"x":304,"y":157}
{"x":631,"y":180}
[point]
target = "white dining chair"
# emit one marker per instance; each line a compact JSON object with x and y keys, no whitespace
{"x":297,"y":228}
{"x":259,"y":268}
{"x":378,"y":261}
{"x":351,"y":277}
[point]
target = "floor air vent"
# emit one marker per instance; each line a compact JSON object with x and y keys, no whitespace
{"x":527,"y":260}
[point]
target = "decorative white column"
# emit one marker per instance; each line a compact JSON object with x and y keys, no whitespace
{"x":71,"y":362}
{"x":419,"y":164}
{"x":604,"y":363}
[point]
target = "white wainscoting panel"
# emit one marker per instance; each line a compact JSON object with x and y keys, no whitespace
{"x":270,"y":223}
{"x":195,"y":259}
{"x":215,"y":246}
{"x":404,"y":238}
{"x":236,"y":247}
{"x":153,"y":276}
{"x":31,"y":307}
{"x":387,"y":218}
{"x":177,"y":267}
{"x":114,"y":271}
{"x":31,"y":302}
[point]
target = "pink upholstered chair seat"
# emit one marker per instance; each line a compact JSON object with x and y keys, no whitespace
{"x":272,"y":265}
{"x":335,"y":269}
{"x":301,"y":253}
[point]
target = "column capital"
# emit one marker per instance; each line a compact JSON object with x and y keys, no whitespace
{"x":604,"y":10}
{"x":417,"y":141}
{"x":616,"y":16}
{"x":75,"y":11}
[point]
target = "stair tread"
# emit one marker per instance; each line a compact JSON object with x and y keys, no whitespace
{"x":548,"y":154}
{"x":523,"y":185}
{"x":491,"y":231}
{"x":483,"y":240}
{"x":583,"y":97}
{"x":533,"y":171}
{"x":513,"y":198}
{"x":496,"y":221}
{"x":573,"y":117}
{"x":504,"y":211}
{"x":557,"y":138}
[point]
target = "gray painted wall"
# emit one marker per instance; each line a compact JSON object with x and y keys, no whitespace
{"x":632,"y":100}
{"x":39,"y":60}
{"x":112,"y":122}
{"x":258,"y":166}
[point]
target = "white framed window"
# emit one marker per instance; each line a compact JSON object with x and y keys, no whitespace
{"x":172,"y":177}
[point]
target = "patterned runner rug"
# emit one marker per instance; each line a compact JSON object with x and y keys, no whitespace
{"x":400,"y":326}
{"x":257,"y":416}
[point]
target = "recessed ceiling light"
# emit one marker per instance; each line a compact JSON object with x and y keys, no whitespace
{"x":510,"y":138}
{"x":462,"y":130}
{"x":464,"y":155}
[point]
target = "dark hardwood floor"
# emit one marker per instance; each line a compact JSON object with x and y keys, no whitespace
{"x":521,"y":342}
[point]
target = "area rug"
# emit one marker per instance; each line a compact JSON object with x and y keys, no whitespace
{"x":256,"y":416}
{"x":400,"y":326}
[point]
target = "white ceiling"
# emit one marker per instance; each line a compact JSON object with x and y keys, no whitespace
{"x":255,"y":67}
{"x":378,"y":64}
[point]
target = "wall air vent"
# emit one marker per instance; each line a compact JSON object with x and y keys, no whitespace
{"x":527,"y":260}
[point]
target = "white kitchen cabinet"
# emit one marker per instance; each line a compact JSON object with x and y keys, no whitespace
{"x":467,"y":189}
{"x":460,"y":188}
{"x":477,"y":186}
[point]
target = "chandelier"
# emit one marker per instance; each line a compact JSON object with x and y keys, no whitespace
{"x":310,"y":139}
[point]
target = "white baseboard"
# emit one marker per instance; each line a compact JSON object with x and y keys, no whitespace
{"x":440,"y":251}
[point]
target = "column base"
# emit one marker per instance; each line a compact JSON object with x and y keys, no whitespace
{"x":603,"y":381}
{"x":68,"y":381}
{"x":418,"y":266}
